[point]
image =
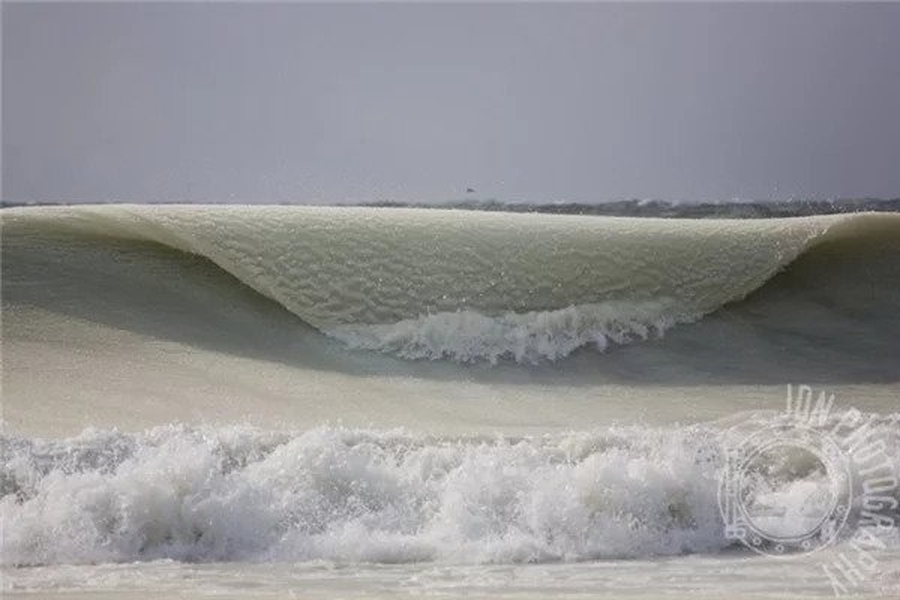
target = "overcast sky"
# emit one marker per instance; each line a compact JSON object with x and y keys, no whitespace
{"x":318,"y":103}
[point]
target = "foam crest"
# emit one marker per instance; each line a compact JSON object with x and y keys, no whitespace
{"x":468,"y":336}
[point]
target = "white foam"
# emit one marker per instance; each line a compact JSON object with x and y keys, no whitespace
{"x":363,"y":495}
{"x":468,"y":336}
{"x":358,"y":495}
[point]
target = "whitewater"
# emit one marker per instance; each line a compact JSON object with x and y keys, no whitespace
{"x":361,"y":402}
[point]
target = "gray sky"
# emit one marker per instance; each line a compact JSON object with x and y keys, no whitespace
{"x":544,"y":102}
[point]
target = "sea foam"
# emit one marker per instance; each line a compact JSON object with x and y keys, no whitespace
{"x":238,"y":494}
{"x":468,"y":336}
{"x":386,"y":496}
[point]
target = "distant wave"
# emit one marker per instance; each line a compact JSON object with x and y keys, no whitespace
{"x":466,"y":285}
{"x":729,"y":209}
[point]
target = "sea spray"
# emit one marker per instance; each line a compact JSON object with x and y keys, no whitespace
{"x":363,"y":495}
{"x":239,"y":494}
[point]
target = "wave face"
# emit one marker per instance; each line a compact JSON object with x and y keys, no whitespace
{"x":467,"y":286}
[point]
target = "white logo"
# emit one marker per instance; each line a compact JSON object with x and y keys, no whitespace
{"x":810,"y":477}
{"x":786,"y":488}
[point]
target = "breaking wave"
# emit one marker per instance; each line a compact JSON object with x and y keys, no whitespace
{"x":358,"y":495}
{"x":363,"y":495}
{"x":465,"y":286}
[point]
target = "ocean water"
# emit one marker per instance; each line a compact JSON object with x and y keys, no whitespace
{"x":372,"y":402}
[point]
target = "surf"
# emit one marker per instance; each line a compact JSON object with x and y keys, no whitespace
{"x":392,"y":386}
{"x":236,"y":493}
